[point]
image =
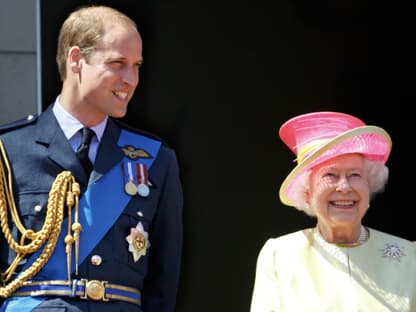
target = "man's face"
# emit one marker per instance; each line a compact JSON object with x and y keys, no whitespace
{"x":109,"y":78}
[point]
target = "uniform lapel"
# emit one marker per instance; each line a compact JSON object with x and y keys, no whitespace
{"x":50,"y":134}
{"x":109,"y":153}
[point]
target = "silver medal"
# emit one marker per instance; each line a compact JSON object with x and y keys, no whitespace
{"x":143,"y":190}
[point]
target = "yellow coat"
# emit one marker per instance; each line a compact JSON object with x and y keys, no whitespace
{"x":302,"y":272}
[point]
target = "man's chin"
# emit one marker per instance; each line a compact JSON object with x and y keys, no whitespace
{"x":118,"y":114}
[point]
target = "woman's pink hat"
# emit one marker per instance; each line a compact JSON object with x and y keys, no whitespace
{"x":317,"y":137}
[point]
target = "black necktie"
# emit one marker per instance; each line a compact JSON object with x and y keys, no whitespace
{"x":82,"y":151}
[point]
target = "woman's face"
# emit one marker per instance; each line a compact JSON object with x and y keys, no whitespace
{"x":339,"y":191}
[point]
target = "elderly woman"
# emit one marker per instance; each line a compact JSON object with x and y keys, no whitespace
{"x":340,"y":265}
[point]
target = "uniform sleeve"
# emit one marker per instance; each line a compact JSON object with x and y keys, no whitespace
{"x":161,"y":284}
{"x":266,"y":289}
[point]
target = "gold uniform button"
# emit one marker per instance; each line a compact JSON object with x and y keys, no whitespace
{"x":96,"y":260}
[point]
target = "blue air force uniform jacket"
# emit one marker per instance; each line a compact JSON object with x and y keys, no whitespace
{"x":38,"y":151}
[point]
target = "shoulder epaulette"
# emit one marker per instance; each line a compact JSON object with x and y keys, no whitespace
{"x":18,"y":123}
{"x":140,"y":131}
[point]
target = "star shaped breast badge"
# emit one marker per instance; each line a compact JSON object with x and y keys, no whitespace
{"x":138,"y":241}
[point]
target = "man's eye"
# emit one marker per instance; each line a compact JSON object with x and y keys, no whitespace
{"x":116,"y":63}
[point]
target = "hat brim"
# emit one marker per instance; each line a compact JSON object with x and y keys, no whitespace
{"x":371,"y":141}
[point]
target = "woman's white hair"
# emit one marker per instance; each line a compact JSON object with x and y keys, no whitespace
{"x":378,"y":174}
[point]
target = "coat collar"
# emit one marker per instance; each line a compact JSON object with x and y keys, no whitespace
{"x":49,"y":134}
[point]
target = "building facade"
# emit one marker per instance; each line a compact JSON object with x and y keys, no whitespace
{"x":18,"y":59}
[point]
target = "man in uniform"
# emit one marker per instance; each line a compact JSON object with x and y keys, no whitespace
{"x":91,"y":210}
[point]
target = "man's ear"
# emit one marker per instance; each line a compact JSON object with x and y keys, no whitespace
{"x":75,"y":59}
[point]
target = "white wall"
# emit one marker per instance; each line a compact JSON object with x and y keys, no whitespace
{"x":18,"y":94}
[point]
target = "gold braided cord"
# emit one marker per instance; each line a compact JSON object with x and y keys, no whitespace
{"x":63,"y":191}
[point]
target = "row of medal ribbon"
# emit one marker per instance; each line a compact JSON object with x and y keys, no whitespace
{"x":136,"y":179}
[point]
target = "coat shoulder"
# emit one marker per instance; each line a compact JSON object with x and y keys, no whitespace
{"x":145,"y":133}
{"x":20,"y":123}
